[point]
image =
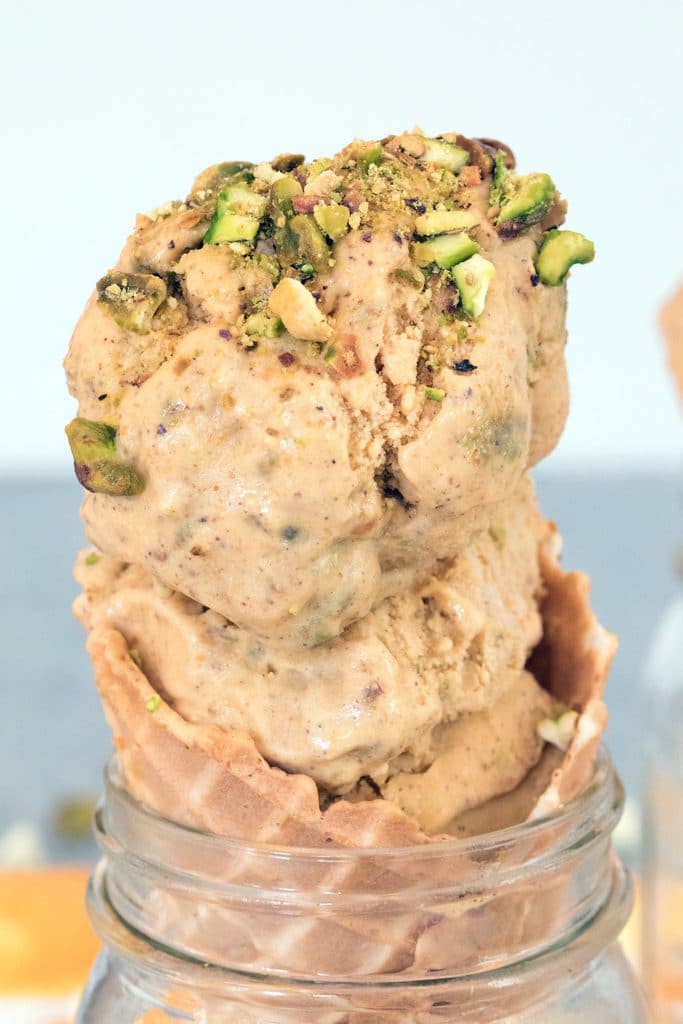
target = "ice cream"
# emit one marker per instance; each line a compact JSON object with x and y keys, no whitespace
{"x":308,"y":398}
{"x":292,"y":484}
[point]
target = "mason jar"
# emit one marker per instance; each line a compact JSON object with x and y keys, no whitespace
{"x":519,"y":925}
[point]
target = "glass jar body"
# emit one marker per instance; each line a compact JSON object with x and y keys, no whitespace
{"x":518,"y":926}
{"x":119,"y":993}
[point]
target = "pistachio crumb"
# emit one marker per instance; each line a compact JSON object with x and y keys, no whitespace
{"x":435,"y":394}
{"x":153,"y":703}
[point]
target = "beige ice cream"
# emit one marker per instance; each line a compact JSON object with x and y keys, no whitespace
{"x":380,"y":702}
{"x":286,"y":487}
{"x":308,"y":399}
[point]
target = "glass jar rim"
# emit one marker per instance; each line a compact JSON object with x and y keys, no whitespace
{"x":601,"y":797}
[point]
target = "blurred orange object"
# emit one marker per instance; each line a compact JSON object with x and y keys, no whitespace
{"x":47,"y":946}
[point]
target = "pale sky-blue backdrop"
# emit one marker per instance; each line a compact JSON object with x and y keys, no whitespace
{"x":112,"y":108}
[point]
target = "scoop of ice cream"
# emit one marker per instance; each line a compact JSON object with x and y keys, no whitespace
{"x":377,"y":702}
{"x":326,"y":375}
{"x":215,"y":778}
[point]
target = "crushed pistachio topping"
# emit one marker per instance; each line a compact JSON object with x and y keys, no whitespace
{"x":293,"y":215}
{"x":92,"y":558}
{"x":560,"y":730}
{"x":152,"y":703}
{"x":131,"y":300}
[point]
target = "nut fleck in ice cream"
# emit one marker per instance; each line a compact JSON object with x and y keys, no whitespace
{"x":309,"y":397}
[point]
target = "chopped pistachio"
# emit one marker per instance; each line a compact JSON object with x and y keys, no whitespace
{"x":366,"y":154}
{"x":232,"y":227}
{"x":444,"y":250}
{"x":260,"y":325}
{"x":317,"y":167}
{"x":527,"y":200}
{"x":131,"y":300}
{"x":153,"y":703}
{"x":92,"y":558}
{"x":438,"y":222}
{"x":239,"y":198}
{"x":444,"y":154}
{"x":93,"y":446}
{"x":302,"y":242}
{"x":560,"y":730}
{"x":560,"y":251}
{"x":239,"y":210}
{"x":473,"y":277}
{"x":287,"y":161}
{"x":500,"y":174}
{"x":298,"y":310}
{"x":435,"y":394}
{"x":332,"y":219}
{"x":281,"y":194}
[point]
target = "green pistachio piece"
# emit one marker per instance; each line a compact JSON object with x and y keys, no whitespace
{"x":438,"y":222}
{"x":260,"y":325}
{"x":302,"y":242}
{"x":287,"y":162}
{"x":131,"y":300}
{"x":444,"y":154}
{"x":560,"y":251}
{"x":93,"y":446}
{"x":500,"y":176}
{"x":238,"y":214}
{"x":239,"y":198}
{"x":282,"y":192}
{"x":317,"y":167}
{"x":333,"y":220}
{"x":444,"y":250}
{"x":435,"y":394}
{"x":232,"y":227}
{"x":365,"y":153}
{"x":527,"y":200}
{"x":473,"y":277}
